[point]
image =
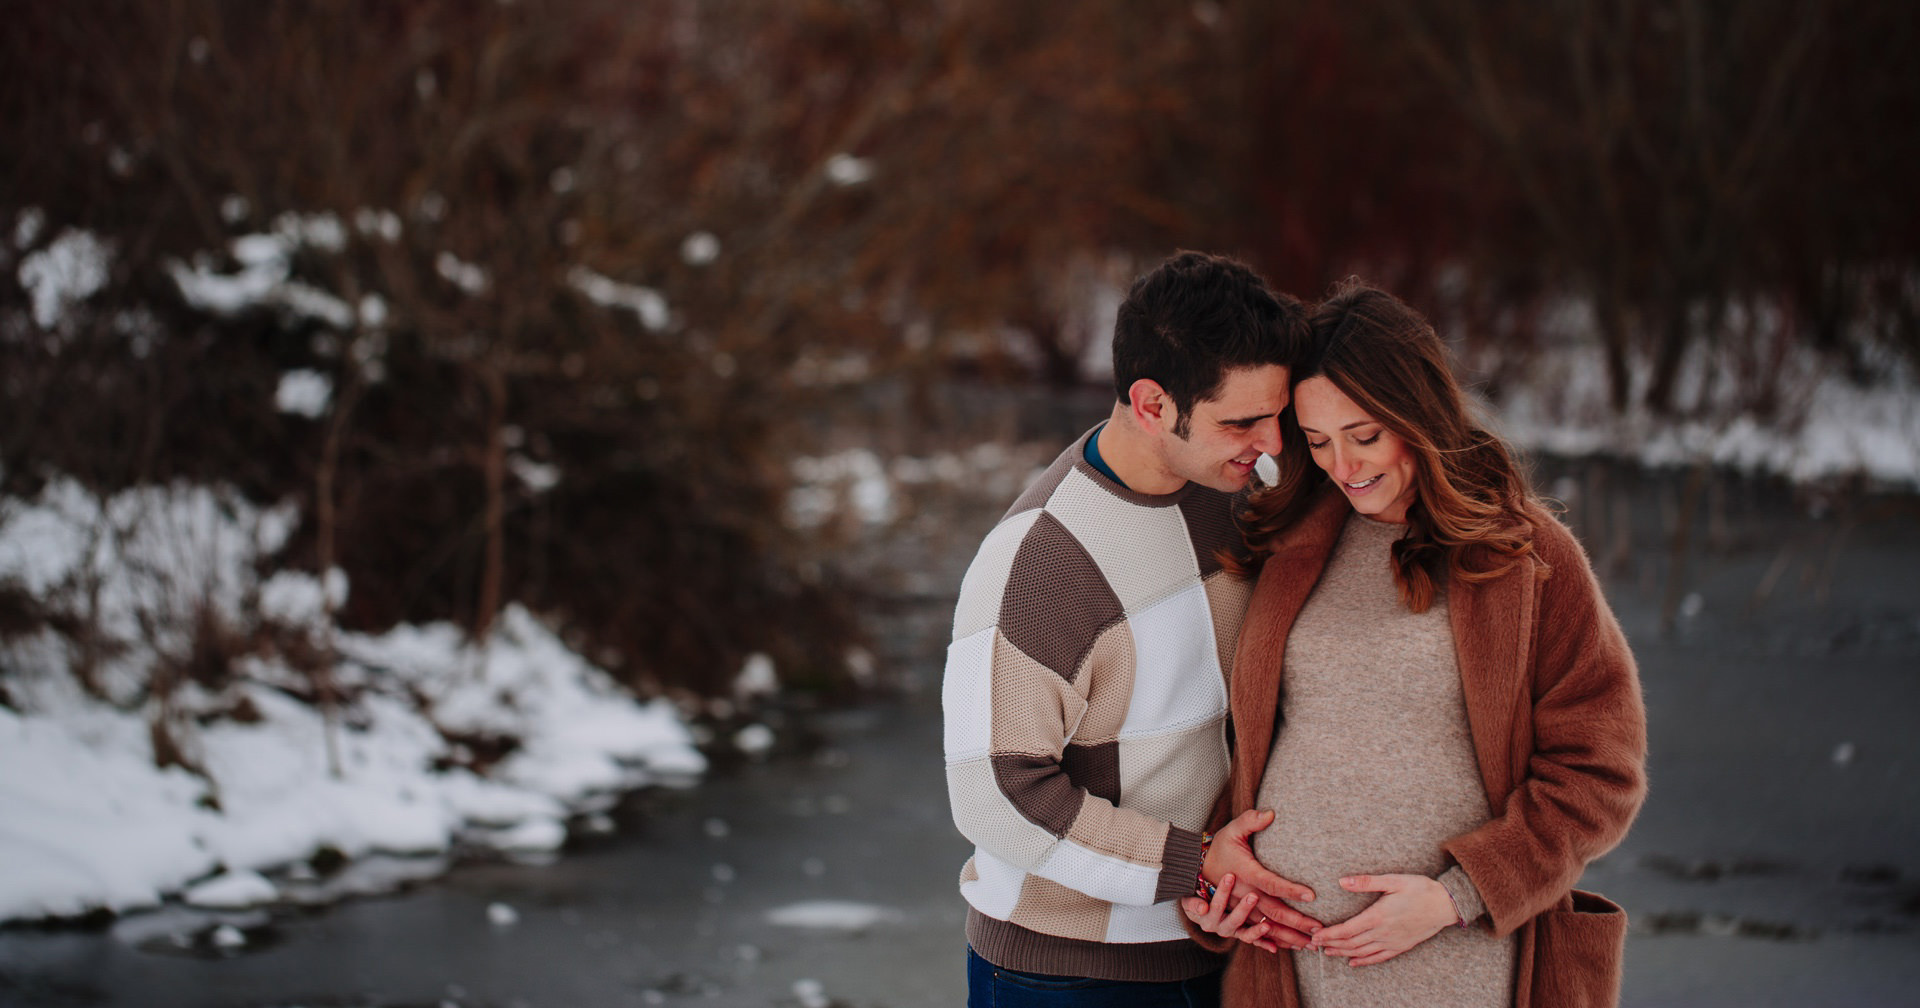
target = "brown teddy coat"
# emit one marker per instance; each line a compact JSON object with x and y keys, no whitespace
{"x":1559,"y":733}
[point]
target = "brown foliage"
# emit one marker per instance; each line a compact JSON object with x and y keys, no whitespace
{"x":511,"y":147}
{"x":866,"y":169}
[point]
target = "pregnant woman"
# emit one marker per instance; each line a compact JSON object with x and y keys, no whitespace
{"x":1430,"y":694}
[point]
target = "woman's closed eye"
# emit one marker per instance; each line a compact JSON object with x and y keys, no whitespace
{"x":1361,"y":441}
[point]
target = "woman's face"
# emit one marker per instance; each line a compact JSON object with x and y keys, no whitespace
{"x":1369,"y":462}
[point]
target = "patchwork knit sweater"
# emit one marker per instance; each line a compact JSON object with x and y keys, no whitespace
{"x":1085,"y":714}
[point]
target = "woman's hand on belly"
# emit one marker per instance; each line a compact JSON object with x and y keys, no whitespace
{"x":1411,"y":909}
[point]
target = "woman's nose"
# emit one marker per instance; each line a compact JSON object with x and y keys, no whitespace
{"x":1343,"y":464}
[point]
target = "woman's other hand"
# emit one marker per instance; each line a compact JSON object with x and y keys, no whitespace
{"x":1227,"y":917}
{"x":1411,"y":909}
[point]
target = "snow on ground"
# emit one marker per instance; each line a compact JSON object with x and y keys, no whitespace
{"x":832,"y":915}
{"x":858,"y":482}
{"x":88,"y":822}
{"x":1841,"y":431}
{"x":1820,"y":426}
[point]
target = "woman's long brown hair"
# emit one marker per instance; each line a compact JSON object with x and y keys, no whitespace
{"x":1469,"y":513}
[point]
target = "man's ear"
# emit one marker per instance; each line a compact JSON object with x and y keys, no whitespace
{"x":1152,"y":407}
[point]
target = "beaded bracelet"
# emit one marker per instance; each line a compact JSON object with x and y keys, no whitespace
{"x":1201,"y":887}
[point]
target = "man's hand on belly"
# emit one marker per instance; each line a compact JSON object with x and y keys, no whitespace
{"x":1232,"y":853}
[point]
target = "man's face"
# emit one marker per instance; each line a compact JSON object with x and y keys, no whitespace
{"x":1228,"y":433}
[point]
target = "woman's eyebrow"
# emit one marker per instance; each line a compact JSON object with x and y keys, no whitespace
{"x":1356,"y":423}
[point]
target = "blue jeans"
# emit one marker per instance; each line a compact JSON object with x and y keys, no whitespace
{"x":989,"y":986}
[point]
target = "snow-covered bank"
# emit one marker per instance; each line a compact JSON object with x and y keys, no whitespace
{"x":437,"y":745}
{"x":1845,"y":432}
{"x":1753,"y":400}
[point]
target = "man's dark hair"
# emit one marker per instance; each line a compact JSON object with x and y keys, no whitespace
{"x":1194,"y":318}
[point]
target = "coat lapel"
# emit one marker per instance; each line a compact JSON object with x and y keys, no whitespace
{"x":1257,"y":669}
{"x":1492,"y":623}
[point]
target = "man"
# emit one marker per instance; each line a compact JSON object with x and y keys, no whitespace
{"x":1086,"y":686}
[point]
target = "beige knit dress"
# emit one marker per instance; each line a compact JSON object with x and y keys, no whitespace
{"x":1371,"y":769}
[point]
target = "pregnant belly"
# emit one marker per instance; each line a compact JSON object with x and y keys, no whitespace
{"x":1376,"y":820}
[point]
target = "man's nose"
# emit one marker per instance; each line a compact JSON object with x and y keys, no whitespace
{"x":1266,"y":437}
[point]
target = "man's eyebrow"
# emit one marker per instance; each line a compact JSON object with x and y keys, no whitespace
{"x":1246,"y":421}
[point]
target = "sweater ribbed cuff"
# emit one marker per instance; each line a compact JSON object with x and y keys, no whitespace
{"x":1466,"y":897}
{"x":1179,"y":863}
